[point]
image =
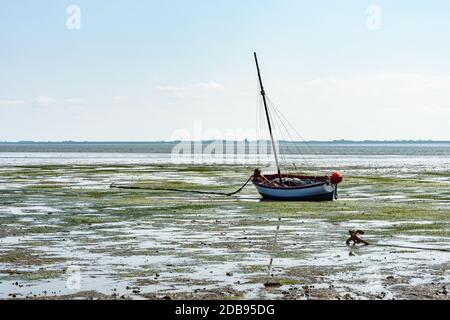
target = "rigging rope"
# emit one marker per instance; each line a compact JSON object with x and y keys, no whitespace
{"x":293,"y":128}
{"x":113,"y":185}
{"x":281,"y":119}
{"x":277,"y":130}
{"x":280,"y":124}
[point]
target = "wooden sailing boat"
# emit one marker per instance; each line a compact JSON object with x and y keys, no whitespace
{"x":282,"y":186}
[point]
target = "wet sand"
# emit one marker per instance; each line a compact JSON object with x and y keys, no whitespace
{"x":140,"y":244}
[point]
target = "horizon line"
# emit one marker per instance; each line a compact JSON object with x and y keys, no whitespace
{"x":225,"y":140}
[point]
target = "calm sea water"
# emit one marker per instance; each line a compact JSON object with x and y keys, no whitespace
{"x":316,"y":154}
{"x":316,"y":148}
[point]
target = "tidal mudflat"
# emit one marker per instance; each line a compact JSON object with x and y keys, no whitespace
{"x":61,"y":216}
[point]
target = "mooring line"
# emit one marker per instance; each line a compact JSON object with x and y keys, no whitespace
{"x":410,"y":247}
{"x":394,"y":246}
{"x":354,"y":236}
{"x":113,"y":185}
{"x":274,"y":243}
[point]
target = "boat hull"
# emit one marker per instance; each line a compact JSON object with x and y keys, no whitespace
{"x":318,"y":192}
{"x":315,"y":188}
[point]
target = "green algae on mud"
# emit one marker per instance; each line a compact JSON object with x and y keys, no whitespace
{"x":27,"y":257}
{"x":192,"y":242}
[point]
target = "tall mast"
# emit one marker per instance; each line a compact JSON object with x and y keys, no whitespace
{"x":263,"y":93}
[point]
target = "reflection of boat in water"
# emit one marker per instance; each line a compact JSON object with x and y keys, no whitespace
{"x":291,"y":186}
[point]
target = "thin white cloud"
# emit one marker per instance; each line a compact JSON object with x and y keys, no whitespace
{"x":120,"y":98}
{"x":43,"y":101}
{"x":208,"y":86}
{"x":393,"y":79}
{"x":74,"y":101}
{"x":40,"y":101}
{"x":192,"y":91}
{"x":389,"y":90}
{"x":12,"y":103}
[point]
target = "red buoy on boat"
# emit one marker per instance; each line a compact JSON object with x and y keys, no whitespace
{"x":336,"y":178}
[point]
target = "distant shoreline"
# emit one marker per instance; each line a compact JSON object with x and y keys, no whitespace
{"x":236,"y":141}
{"x":337,"y":147}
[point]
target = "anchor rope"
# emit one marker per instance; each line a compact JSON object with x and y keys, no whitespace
{"x":113,"y":185}
{"x":274,"y":244}
{"x":407,"y":247}
{"x":354,"y":236}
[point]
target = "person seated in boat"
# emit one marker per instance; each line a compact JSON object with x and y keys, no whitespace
{"x":257,"y":176}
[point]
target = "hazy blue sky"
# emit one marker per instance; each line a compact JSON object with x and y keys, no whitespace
{"x":141,"y":70}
